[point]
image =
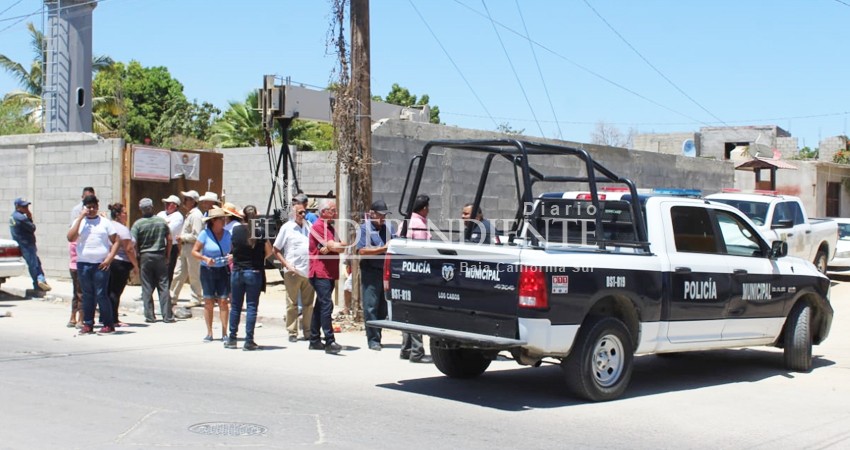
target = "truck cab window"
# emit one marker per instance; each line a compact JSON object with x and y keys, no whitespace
{"x":739,"y":238}
{"x":693,"y":231}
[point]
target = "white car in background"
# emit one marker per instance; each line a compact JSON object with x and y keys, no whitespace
{"x":841,"y":261}
{"x":12,"y":264}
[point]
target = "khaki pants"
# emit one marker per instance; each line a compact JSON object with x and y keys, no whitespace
{"x":296,"y":284}
{"x":187,"y":267}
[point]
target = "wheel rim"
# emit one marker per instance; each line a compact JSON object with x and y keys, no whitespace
{"x":607,"y":363}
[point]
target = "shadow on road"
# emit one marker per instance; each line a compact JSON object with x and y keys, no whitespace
{"x":528,"y":388}
{"x":5,"y":296}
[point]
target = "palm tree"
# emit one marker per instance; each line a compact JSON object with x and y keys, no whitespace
{"x":240,"y":126}
{"x":30,"y":96}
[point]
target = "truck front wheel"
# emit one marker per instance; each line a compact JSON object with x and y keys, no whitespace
{"x":798,"y":338}
{"x":599,"y":367}
{"x":459,"y":362}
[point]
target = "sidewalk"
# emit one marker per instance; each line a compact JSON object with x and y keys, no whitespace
{"x":272,"y":309}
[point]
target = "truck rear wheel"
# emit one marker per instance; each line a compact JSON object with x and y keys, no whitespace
{"x":459,"y":362}
{"x":798,"y":338}
{"x":820,"y":261}
{"x":599,"y":367}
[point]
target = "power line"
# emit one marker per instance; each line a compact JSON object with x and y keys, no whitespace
{"x":20,"y":19}
{"x":539,"y":71}
{"x":586,"y":69}
{"x":513,"y":69}
{"x":453,"y":62}
{"x":61,"y":8}
{"x":667,"y":79}
{"x":13,"y":5}
{"x":843,"y":3}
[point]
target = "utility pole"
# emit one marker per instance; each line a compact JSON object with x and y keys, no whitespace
{"x":361,"y":192}
{"x":360,"y":181}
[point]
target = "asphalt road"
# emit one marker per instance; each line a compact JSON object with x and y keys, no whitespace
{"x":160,"y":386}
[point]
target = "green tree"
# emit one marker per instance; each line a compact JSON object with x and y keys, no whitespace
{"x":806,"y":153}
{"x":14,"y":120}
{"x":144,"y":95}
{"x":186,"y":125}
{"x":401,"y":96}
{"x":241,"y":126}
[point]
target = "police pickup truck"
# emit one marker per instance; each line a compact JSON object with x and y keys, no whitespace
{"x":592,"y":283}
{"x":782,"y":217}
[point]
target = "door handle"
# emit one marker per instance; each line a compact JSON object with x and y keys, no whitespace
{"x":789,"y":234}
{"x":683,"y":270}
{"x":443,"y":251}
{"x":739,"y":272}
{"x":808,"y":231}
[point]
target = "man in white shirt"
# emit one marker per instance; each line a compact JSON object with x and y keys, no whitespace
{"x":291,"y":248}
{"x":188,"y":266}
{"x":174,"y":219}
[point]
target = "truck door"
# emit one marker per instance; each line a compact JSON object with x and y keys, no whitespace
{"x":700,"y":278}
{"x":796,"y":235}
{"x":756,"y":304}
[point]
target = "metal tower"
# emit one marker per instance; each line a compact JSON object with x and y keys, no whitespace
{"x":66,"y":92}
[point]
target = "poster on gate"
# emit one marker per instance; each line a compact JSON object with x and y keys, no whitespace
{"x":151,"y":164}
{"x":186,"y":165}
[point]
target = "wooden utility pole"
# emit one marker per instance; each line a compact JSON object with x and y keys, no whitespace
{"x":361,"y":195}
{"x":360,"y":180}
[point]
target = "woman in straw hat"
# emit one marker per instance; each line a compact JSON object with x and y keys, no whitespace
{"x":213,"y":250}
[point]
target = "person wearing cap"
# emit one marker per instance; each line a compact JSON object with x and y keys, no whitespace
{"x":212,"y":249}
{"x":412,"y":347}
{"x":187,"y":266}
{"x":323,"y":273}
{"x":374,"y":235}
{"x":153,"y":244}
{"x":291,"y":248}
{"x":22,"y":229}
{"x":174,"y":219}
{"x":304,"y":200}
{"x":97,"y":244}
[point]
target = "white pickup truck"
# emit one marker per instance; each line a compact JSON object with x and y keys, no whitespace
{"x":782,"y":217}
{"x":589,"y":282}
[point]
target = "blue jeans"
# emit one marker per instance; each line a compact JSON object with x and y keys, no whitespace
{"x":245,"y":286}
{"x":322,"y":311}
{"x":374,"y":305}
{"x":95,"y":286}
{"x":30,"y":254}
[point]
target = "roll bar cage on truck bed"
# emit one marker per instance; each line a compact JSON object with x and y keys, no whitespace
{"x":525,"y":175}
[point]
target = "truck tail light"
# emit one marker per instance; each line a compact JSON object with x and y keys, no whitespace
{"x":532,"y":288}
{"x":387,"y":261}
{"x":10,"y":252}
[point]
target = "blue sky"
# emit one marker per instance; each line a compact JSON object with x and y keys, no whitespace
{"x":705,"y":63}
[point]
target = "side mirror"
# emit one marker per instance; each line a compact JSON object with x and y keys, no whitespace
{"x":778,"y":249}
{"x":783,"y":224}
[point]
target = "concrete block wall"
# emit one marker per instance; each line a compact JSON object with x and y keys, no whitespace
{"x":51,"y":170}
{"x":713,"y":139}
{"x":788,"y":147}
{"x":827,"y":148}
{"x":248,"y":178}
{"x":667,"y":143}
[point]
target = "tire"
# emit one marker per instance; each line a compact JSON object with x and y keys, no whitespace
{"x":797,"y":338}
{"x":820,"y":261}
{"x":599,"y":367}
{"x":459,"y":362}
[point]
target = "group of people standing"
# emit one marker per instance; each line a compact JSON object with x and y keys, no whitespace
{"x":220,"y":251}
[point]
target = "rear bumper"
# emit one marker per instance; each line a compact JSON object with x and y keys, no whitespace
{"x":12,"y":267}
{"x":474,"y":339}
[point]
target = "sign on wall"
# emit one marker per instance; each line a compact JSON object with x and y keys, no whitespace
{"x":186,"y":165}
{"x":151,"y":164}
